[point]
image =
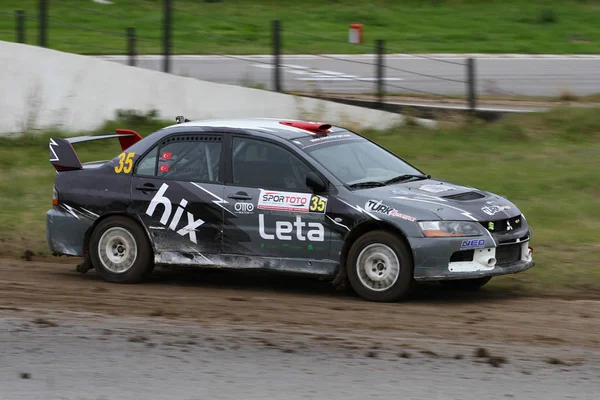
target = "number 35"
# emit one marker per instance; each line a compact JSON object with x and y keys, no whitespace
{"x":125,"y":163}
{"x":317,"y":204}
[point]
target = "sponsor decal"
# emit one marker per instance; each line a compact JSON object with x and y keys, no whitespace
{"x":490,"y":226}
{"x":243,"y":208}
{"x":379,"y":207}
{"x":163,"y":168}
{"x":125,"y":163}
{"x":508,"y":226}
{"x":167,"y":155}
{"x":330,"y":137}
{"x":472,"y":244}
{"x":436,"y":188}
{"x":286,"y":230}
{"x":192,"y":223}
{"x":293,"y":202}
{"x":492,"y":209}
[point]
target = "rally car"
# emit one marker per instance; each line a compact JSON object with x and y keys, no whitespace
{"x":280,"y":195}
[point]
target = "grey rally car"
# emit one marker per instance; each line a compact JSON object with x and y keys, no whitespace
{"x":281,"y":195}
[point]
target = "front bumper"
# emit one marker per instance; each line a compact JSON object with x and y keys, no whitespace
{"x":433,"y":258}
{"x":65,"y":232}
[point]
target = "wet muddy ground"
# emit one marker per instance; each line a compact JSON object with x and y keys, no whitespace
{"x":224,"y":335}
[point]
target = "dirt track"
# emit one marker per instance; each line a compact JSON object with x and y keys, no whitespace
{"x":249,"y":312}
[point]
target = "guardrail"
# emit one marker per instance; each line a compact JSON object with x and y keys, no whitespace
{"x":386,"y":69}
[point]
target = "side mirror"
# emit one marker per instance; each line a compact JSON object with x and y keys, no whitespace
{"x":315,"y":183}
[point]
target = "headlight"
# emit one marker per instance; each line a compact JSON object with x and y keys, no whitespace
{"x":450,"y":228}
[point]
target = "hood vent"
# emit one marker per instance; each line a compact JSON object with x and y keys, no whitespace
{"x":465,"y":196}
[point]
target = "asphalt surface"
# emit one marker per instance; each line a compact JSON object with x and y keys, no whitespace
{"x":199,"y":334}
{"x":92,"y":357}
{"x":445,"y":75}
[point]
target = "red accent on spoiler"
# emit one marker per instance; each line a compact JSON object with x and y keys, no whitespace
{"x":128,"y":141}
{"x":313,"y":127}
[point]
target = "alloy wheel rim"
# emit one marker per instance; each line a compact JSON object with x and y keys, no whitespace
{"x":378,"y":267}
{"x":117,"y":249}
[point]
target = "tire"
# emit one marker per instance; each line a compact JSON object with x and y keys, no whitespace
{"x":380,"y":267}
{"x":130,"y":256}
{"x":466,"y":284}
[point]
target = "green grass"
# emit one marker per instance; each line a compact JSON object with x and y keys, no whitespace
{"x":243,"y":26}
{"x":547,"y":163}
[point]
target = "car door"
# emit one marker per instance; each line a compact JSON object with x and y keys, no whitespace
{"x":272,"y":213}
{"x":175,"y":191}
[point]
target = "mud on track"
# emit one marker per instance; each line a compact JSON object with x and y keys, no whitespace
{"x":289,"y":322}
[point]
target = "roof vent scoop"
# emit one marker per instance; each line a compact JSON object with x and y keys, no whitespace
{"x":313,"y":127}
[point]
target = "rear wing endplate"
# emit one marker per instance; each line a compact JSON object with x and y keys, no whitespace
{"x":64,"y":158}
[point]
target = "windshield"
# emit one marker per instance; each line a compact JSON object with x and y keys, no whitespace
{"x":359,"y":161}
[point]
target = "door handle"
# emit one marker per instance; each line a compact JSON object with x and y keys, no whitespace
{"x":147,"y":187}
{"x":240,"y":196}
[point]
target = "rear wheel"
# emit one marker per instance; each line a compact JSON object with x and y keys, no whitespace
{"x":120,"y":250}
{"x":380,"y":267}
{"x":466,"y":284}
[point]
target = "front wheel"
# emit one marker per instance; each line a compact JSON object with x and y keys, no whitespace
{"x":466,"y":284}
{"x":380,"y":267}
{"x":120,"y":250}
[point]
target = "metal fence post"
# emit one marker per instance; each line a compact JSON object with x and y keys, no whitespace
{"x":20,"y":16}
{"x":276,"y":43}
{"x":131,"y":45}
{"x":167,"y":35}
{"x":379,"y":44}
{"x":43,"y":23}
{"x":471,"y":90}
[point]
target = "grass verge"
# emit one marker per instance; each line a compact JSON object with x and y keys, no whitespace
{"x":316,"y":26}
{"x":547,"y":163}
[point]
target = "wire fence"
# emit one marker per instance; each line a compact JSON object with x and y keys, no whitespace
{"x":378,"y":73}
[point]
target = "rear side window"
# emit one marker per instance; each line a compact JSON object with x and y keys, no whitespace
{"x":193,"y":158}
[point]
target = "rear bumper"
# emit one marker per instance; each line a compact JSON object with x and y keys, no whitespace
{"x":65,"y":232}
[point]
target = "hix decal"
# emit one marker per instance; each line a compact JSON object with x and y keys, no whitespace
{"x":293,"y":202}
{"x":379,"y":207}
{"x":192,"y":223}
{"x":284,"y":229}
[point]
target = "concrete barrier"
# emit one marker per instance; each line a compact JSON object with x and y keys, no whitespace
{"x":44,"y":89}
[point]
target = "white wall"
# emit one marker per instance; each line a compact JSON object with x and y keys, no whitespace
{"x":41,"y":88}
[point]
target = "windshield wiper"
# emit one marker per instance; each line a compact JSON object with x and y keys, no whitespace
{"x":367,"y":184}
{"x":405,"y":177}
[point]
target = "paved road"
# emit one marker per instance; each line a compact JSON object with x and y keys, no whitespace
{"x":200,"y":334}
{"x":497,"y":75}
{"x":67,"y":356}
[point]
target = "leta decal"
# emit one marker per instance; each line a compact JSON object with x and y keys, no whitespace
{"x":436,"y":188}
{"x":284,"y":229}
{"x":379,"y":207}
{"x":292,"y":202}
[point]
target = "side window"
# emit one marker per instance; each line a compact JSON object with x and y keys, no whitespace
{"x":194,"y":158}
{"x":256,"y":163}
{"x":147,"y":165}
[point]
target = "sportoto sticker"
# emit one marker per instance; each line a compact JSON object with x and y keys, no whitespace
{"x":292,"y":202}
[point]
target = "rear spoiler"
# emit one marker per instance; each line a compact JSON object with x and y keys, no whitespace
{"x":64,"y":158}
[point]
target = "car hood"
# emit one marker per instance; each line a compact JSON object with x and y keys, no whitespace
{"x":448,"y":201}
